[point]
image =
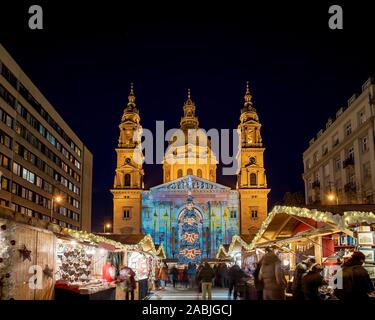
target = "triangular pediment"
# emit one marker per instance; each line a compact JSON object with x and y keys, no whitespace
{"x":190,"y":183}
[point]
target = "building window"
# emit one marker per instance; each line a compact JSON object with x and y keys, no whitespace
{"x":315,"y":157}
{"x":127,"y":180}
{"x":233,"y":214}
{"x":364,"y":144}
{"x":199,"y":173}
{"x":127,"y":214}
{"x":338,"y":163}
{"x":189,"y":171}
{"x":326,"y":170}
{"x":4,"y":161}
{"x":362,"y":116}
{"x":5,"y":184}
{"x":325,"y":149}
{"x":308,"y":164}
{"x":351,"y":153}
{"x":348,"y":129}
{"x":366,"y":171}
{"x":179,"y":173}
{"x":335,"y":139}
{"x":253,"y":179}
{"x":254,"y":213}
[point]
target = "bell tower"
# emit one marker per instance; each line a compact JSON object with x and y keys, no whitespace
{"x":251,"y":179}
{"x":128,"y":181}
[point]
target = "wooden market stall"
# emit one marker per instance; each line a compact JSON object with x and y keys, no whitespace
{"x":143,"y":257}
{"x":36,"y":255}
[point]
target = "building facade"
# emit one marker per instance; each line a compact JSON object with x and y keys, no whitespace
{"x":46,"y":170}
{"x":339,"y":164}
{"x":189,"y":213}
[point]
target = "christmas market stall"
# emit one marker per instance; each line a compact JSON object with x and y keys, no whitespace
{"x":143,"y":257}
{"x":87,"y":266}
{"x":42,"y":261}
{"x":328,"y":233}
{"x":26,"y":258}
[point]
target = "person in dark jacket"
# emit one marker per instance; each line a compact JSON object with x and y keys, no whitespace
{"x":356,"y":282}
{"x":235,"y":274}
{"x":185,"y":277}
{"x":273,"y":278}
{"x":258,"y":283}
{"x":205,"y":276}
{"x":311,"y":281}
{"x":301,"y":269}
{"x":174,"y":273}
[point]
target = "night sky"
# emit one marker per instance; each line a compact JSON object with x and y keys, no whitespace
{"x":298,"y":79}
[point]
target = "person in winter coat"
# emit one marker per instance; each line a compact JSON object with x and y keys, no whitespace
{"x":192,"y":274}
{"x":163,"y":276}
{"x":223,"y":270}
{"x":311,"y":281}
{"x":185,"y":277}
{"x":356,"y":282}
{"x":174,"y":273}
{"x":235,"y":274}
{"x":259,"y":285}
{"x":205,"y":276}
{"x":273,"y":278}
{"x":126,"y":279}
{"x":301,"y":269}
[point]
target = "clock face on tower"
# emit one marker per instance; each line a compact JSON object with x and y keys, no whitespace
{"x":252,"y":160}
{"x":127,"y":160}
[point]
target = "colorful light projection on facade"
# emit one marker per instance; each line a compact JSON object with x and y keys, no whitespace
{"x":189,"y":230}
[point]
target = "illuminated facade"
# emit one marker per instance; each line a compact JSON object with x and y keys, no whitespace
{"x":190,"y":213}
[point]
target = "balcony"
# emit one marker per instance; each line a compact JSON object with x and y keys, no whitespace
{"x":316,"y":184}
{"x":348,"y":162}
{"x":350,"y":187}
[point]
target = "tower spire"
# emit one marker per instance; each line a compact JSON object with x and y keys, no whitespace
{"x":189,"y":120}
{"x":248,"y":95}
{"x":131,"y":97}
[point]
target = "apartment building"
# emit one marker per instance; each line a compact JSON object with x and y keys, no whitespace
{"x":339,"y":164}
{"x":46,"y":170}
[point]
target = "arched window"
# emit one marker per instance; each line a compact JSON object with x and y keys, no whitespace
{"x":189,"y":171}
{"x":253,"y":179}
{"x":179,"y":173}
{"x":199,"y":173}
{"x":127,"y":180}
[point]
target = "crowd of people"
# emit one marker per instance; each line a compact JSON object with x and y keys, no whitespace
{"x":202,"y":277}
{"x":352,"y":283}
{"x":269,"y":279}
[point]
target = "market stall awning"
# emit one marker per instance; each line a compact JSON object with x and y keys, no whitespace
{"x":284,"y":222}
{"x":237,"y":244}
{"x":143,"y":242}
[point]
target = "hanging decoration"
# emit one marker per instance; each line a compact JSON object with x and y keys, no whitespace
{"x":25,"y":254}
{"x":74,"y":262}
{"x":7,"y":251}
{"x":48,"y":272}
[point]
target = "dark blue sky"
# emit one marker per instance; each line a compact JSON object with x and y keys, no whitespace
{"x":298,"y":80}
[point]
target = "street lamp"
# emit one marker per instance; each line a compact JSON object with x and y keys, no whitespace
{"x":54,"y":199}
{"x":333,"y":197}
{"x":106,"y":226}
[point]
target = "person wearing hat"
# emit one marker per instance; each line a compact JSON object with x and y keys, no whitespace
{"x":311,"y":281}
{"x":301,"y":269}
{"x":356,"y":282}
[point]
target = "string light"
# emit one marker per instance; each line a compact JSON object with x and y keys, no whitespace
{"x":342,"y":222}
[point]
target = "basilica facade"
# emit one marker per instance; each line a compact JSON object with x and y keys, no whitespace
{"x":190,"y":213}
